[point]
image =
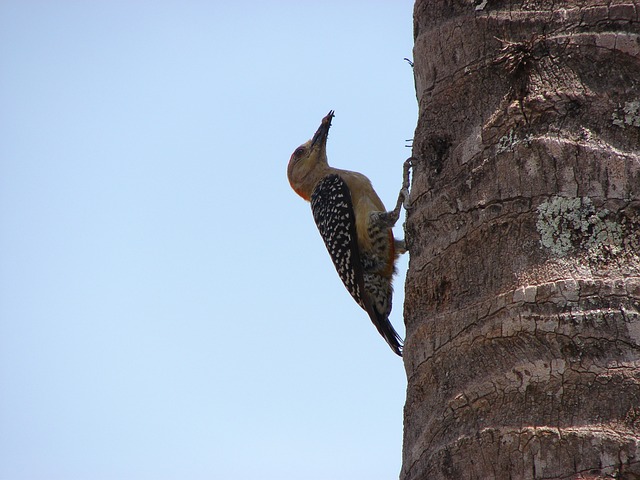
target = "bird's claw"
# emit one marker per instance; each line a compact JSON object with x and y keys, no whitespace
{"x":406,"y":183}
{"x":406,"y":203}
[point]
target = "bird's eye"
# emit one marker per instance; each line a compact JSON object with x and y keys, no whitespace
{"x":299,"y":151}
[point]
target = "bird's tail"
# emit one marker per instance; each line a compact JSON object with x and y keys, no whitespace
{"x":387,"y":331}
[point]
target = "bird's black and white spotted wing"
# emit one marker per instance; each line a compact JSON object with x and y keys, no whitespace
{"x":333,"y":213}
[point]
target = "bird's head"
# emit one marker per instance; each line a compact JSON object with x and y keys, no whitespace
{"x":306,"y":164}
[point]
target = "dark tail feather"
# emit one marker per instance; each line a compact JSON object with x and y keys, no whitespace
{"x":387,"y":331}
{"x":382,"y":323}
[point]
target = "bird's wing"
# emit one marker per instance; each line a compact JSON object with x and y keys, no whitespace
{"x":334,"y":216}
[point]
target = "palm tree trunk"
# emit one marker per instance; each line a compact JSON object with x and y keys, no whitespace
{"x":523,"y":290}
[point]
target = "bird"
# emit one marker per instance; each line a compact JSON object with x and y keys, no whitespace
{"x":354,"y":225}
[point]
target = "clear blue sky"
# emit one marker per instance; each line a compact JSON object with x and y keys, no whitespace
{"x":167,"y":307}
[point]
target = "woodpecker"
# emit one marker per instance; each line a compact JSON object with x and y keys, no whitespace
{"x":355,"y":227}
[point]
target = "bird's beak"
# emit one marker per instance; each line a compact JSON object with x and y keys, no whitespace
{"x":320,"y":137}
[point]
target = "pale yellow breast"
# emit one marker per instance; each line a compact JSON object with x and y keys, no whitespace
{"x":365,"y":200}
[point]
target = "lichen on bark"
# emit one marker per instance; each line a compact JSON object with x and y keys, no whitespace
{"x":570,"y":224}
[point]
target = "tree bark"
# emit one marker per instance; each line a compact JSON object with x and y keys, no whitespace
{"x":523,"y":291}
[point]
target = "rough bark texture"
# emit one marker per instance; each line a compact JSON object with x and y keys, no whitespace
{"x":523,"y":291}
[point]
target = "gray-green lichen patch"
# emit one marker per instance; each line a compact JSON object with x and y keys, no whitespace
{"x":506,"y":142}
{"x":629,"y":115}
{"x":481,"y":5}
{"x":568,"y":223}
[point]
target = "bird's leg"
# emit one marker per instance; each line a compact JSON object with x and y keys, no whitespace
{"x":389,"y":219}
{"x":406,"y":183}
{"x":399,"y":246}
